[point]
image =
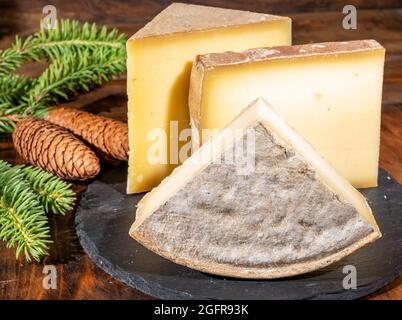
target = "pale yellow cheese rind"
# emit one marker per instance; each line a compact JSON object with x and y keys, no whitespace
{"x":158,"y":74}
{"x":329,"y":92}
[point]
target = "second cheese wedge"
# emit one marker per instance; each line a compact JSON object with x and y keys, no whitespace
{"x":290,"y":213}
{"x":158,"y":74}
{"x":329,"y":92}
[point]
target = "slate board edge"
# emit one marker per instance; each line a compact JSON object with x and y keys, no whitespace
{"x":154,"y":289}
{"x":140,"y":284}
{"x":134,"y":281}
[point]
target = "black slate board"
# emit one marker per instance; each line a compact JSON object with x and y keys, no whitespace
{"x":105,"y":214}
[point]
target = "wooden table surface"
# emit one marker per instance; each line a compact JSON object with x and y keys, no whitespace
{"x":313,"y":21}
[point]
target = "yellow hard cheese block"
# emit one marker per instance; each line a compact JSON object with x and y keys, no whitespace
{"x":158,"y":73}
{"x":255,"y":201}
{"x":329,"y":92}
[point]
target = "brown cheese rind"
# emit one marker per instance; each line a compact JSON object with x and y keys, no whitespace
{"x":213,"y":60}
{"x":180,"y":17}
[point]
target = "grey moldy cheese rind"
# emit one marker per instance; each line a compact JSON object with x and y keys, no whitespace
{"x":290,"y":215}
{"x":213,"y":60}
{"x":181,"y":17}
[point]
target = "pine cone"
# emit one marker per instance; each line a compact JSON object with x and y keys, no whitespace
{"x":109,"y":136}
{"x":55,"y":150}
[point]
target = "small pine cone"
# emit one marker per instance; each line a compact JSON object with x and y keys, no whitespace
{"x":54,"y":149}
{"x":109,"y":136}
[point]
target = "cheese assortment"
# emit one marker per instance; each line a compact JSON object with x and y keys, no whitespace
{"x":293,"y":213}
{"x":159,"y":63}
{"x":329,"y":92}
{"x":280,"y":136}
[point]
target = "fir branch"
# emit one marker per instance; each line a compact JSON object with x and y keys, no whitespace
{"x":55,"y":195}
{"x":11,"y":90}
{"x":23,"y":223}
{"x":13,"y":58}
{"x":25,"y":194}
{"x":7,"y":125}
{"x":81,"y":58}
{"x":70,"y":75}
{"x":4,"y":165}
{"x":67,"y":37}
{"x":10,"y":60}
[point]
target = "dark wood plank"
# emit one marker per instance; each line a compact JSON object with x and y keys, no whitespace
{"x":313,"y":21}
{"x":382,"y":25}
{"x":130,"y":10}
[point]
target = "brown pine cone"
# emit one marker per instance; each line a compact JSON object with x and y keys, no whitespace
{"x":109,"y":136}
{"x":54,"y":149}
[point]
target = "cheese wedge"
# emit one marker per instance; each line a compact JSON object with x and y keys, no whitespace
{"x":329,"y":92}
{"x":291,"y":213}
{"x":158,"y":74}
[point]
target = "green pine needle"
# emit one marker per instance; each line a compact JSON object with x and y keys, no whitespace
{"x":23,"y":223}
{"x":26,"y":193}
{"x":70,"y":75}
{"x":81,"y":56}
{"x":6,"y":125}
{"x":55,"y":195}
{"x":4,"y":165}
{"x":11,"y":90}
{"x":13,"y":58}
{"x":70,"y":36}
{"x":67,"y":36}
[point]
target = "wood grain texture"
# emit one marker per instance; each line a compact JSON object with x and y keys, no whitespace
{"x":313,"y":21}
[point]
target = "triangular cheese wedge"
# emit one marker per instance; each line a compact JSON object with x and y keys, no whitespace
{"x":179,"y":18}
{"x":291,"y":213}
{"x":159,"y":60}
